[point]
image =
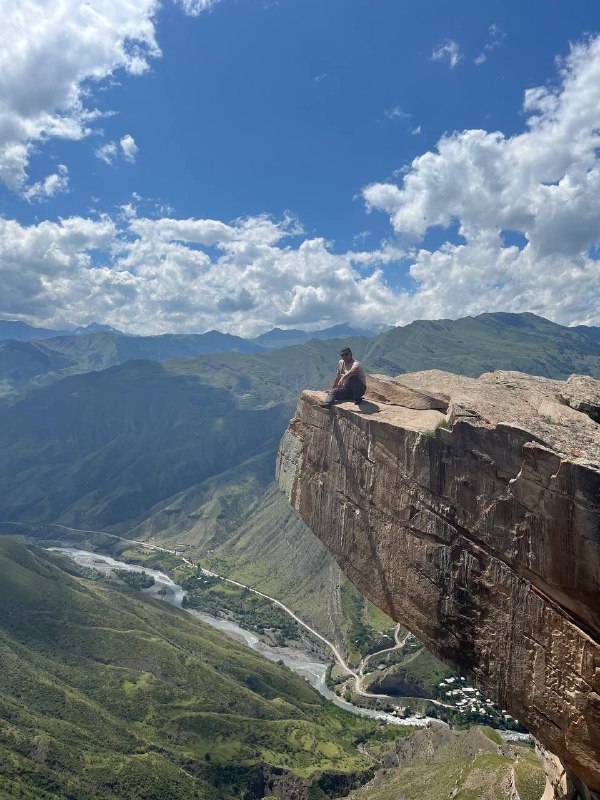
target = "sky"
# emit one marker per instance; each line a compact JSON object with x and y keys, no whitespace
{"x":187,"y":165}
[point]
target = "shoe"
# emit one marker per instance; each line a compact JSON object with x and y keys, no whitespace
{"x":358,"y":401}
{"x":325,"y":405}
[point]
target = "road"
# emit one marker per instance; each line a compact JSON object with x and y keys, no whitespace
{"x":281,"y":605}
{"x":358,"y":674}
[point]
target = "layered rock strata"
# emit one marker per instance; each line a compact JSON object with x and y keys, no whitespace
{"x":469,"y":510}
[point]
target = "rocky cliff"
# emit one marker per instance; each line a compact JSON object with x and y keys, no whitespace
{"x":469,"y":510}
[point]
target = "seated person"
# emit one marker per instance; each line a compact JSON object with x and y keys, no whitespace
{"x":350,"y":381}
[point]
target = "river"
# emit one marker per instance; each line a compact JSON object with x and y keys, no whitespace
{"x":299,"y":660}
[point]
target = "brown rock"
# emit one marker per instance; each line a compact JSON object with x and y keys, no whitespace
{"x":583,"y":394}
{"x":391,"y":391}
{"x":478,"y":529}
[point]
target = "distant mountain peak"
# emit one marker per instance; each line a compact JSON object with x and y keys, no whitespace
{"x":284,"y":337}
{"x":97,"y":327}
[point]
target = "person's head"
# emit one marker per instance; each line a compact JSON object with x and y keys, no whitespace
{"x":346,"y":354}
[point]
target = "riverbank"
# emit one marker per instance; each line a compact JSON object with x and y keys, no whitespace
{"x":297,"y":659}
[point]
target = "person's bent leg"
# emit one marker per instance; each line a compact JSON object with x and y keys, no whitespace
{"x":339,"y":395}
{"x":356,"y":388}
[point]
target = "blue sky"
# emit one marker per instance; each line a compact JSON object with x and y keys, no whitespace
{"x":244,"y":163}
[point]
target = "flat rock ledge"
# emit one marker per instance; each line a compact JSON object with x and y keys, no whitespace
{"x":469,"y":510}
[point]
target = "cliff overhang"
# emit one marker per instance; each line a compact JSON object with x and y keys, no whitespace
{"x":469,"y":510}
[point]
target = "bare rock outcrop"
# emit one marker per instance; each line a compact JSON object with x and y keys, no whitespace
{"x":469,"y":510}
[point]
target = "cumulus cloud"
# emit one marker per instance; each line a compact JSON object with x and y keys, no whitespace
{"x":542,"y":184}
{"x":523,"y":235}
{"x":53,"y":55}
{"x":107,"y":153}
{"x":155,"y":275}
{"x":449,"y":51}
{"x":129,"y":148}
{"x":51,"y":185}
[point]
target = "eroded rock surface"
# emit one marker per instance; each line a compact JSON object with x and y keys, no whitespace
{"x":469,"y":510}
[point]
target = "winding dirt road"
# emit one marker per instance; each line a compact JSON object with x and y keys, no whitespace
{"x":357,"y":674}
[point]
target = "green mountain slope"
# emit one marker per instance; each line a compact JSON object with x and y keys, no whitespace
{"x":274,"y":550}
{"x":29,"y":364}
{"x":590,"y":331}
{"x":106,"y":695}
{"x":135,"y":445}
{"x":472,"y":345}
{"x":465,"y":765}
{"x":100,"y":449}
{"x":469,"y":346}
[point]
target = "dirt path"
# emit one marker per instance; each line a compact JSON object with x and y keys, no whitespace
{"x":359,"y":682}
{"x":357,"y":674}
{"x":338,"y":656}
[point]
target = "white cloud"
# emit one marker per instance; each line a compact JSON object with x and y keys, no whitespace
{"x":449,"y":51}
{"x":107,"y":153}
{"x":51,"y":55}
{"x":51,"y":185}
{"x":360,"y":238}
{"x":155,"y":275}
{"x":543,"y":183}
{"x":129,"y":148}
{"x":497,"y":37}
{"x":195,"y":7}
{"x":396,"y":112}
{"x":416,"y":131}
{"x":111,"y":152}
{"x":539,"y":187}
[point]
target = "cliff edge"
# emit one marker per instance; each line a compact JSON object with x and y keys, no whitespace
{"x":469,"y":510}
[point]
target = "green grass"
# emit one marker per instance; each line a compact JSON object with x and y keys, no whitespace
{"x":492,"y":735}
{"x":458,"y":764}
{"x":364,"y":624}
{"x":106,"y":694}
{"x":529,"y":778}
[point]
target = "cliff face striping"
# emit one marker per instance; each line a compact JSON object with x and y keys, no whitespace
{"x":482,"y":534}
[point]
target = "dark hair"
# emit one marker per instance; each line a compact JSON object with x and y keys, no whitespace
{"x":345,"y":350}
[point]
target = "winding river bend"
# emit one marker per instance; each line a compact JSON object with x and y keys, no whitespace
{"x":299,"y":660}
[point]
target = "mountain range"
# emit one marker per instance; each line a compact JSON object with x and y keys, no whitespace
{"x":28,"y":360}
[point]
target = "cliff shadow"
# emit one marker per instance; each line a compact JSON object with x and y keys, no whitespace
{"x":367,"y":407}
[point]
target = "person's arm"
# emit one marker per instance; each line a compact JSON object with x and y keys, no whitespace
{"x":338,"y":379}
{"x":352,"y":371}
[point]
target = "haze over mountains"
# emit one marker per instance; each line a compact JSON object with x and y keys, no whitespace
{"x":27,"y":362}
{"x":185,"y":448}
{"x":117,"y":447}
{"x":31,"y":357}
